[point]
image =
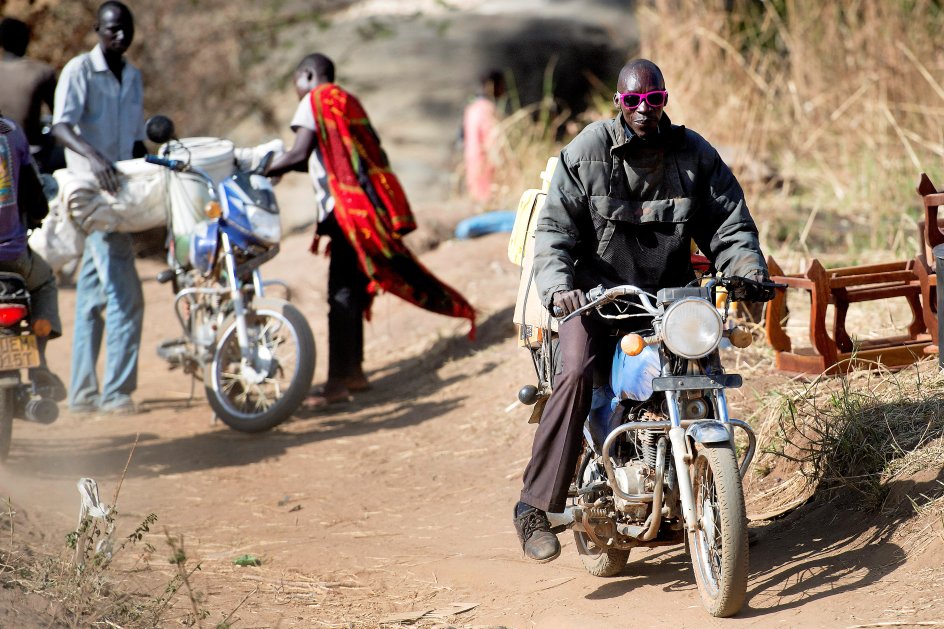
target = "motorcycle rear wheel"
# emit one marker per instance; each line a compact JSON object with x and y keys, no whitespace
{"x":718,"y":546}
{"x":599,"y":562}
{"x":281,"y":331}
{"x":6,"y":422}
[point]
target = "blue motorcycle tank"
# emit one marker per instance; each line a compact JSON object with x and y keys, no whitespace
{"x":203,"y":243}
{"x":631,"y":376}
{"x":630,"y":379}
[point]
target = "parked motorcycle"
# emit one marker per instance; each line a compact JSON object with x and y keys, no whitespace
{"x":255,"y":354}
{"x":660,"y":465}
{"x":19,"y":398}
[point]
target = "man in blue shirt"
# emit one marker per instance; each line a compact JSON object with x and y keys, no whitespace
{"x":99,"y":117}
{"x":21,"y":197}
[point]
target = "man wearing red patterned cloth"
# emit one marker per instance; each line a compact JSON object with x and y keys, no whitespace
{"x":363,"y":209}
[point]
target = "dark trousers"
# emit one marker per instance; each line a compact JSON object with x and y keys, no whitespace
{"x":584,"y":343}
{"x":347,"y":300}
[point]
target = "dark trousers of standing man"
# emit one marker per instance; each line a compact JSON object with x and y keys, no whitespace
{"x":583,"y":342}
{"x":347,"y":300}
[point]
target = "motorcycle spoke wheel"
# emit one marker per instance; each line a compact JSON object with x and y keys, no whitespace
{"x":245,"y":395}
{"x":257,"y":396}
{"x":718,"y":545}
{"x":600,"y":562}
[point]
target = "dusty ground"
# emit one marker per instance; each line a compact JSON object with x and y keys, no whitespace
{"x":401,"y":501}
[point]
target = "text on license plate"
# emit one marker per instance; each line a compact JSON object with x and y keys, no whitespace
{"x":18,"y":352}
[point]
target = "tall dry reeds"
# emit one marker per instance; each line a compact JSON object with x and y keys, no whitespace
{"x":845,"y":100}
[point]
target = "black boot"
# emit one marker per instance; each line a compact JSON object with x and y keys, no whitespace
{"x":48,"y":385}
{"x":534,"y":533}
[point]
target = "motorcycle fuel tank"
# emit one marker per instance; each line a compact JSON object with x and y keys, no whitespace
{"x":631,"y":376}
{"x":203,"y":243}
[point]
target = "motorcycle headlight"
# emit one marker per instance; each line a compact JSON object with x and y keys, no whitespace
{"x":691,"y":328}
{"x":265,"y":225}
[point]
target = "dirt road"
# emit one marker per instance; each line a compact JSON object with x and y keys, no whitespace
{"x":401,"y":501}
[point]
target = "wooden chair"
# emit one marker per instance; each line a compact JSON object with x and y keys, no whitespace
{"x":925,"y":264}
{"x":837,"y":352}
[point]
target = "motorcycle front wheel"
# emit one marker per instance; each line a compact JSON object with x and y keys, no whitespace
{"x":718,"y":546}
{"x":257,"y":395}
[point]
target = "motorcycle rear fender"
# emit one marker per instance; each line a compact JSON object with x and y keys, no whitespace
{"x":708,"y":432}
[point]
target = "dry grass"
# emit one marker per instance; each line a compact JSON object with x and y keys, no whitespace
{"x":844,"y":100}
{"x":828,"y":113}
{"x":853,"y":435}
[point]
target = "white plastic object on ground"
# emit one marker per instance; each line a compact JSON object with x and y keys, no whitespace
{"x":92,"y":509}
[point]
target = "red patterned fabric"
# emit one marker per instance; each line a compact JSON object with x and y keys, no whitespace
{"x":371,"y":207}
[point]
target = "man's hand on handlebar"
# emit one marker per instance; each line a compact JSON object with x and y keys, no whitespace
{"x":757,"y":287}
{"x":566,"y":301}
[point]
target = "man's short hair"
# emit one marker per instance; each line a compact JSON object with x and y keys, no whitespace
{"x":493,"y":76}
{"x":14,"y":36}
{"x":113,"y":4}
{"x":319,"y":64}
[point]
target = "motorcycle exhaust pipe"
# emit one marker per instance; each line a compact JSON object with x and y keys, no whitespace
{"x":40,"y":411}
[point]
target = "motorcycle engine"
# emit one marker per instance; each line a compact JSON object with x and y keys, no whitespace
{"x":633,"y":478}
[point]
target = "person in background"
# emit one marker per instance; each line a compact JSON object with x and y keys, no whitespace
{"x":22,"y":207}
{"x":364,"y":211}
{"x":479,"y":126}
{"x":99,"y":118}
{"x":28,"y":84}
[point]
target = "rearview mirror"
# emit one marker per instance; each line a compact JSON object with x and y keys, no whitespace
{"x":160,"y":129}
{"x":264,"y":163}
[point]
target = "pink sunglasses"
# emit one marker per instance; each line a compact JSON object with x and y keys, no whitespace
{"x":655,"y":98}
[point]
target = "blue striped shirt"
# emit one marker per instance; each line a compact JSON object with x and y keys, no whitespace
{"x":107,"y":114}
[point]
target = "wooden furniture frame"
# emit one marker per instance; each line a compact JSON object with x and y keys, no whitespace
{"x":841,"y":287}
{"x":925,"y":265}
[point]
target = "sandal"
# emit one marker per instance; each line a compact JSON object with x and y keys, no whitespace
{"x":357,"y":383}
{"x":324,"y":396}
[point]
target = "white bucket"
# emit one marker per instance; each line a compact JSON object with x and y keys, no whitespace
{"x":214,"y":155}
{"x":188,"y":193}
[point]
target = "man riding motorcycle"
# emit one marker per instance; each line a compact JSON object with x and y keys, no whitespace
{"x":23,"y":206}
{"x":626,"y":201}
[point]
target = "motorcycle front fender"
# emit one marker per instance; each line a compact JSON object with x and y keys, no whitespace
{"x":708,"y":432}
{"x":257,"y":303}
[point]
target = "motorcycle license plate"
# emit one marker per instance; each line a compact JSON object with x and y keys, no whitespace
{"x":18,"y":352}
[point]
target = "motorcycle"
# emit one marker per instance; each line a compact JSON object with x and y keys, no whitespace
{"x":660,"y":465}
{"x":19,"y":398}
{"x":255,"y":354}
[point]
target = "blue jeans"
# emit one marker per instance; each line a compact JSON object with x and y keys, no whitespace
{"x":107,"y":282}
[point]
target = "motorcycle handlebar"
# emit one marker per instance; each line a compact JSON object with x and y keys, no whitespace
{"x":173,"y":164}
{"x":745,"y":289}
{"x":599,"y":296}
{"x":738,"y":287}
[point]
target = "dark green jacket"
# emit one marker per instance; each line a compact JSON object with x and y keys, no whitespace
{"x":624,"y":211}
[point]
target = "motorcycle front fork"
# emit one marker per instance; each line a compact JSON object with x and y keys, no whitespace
{"x":684,"y":454}
{"x":237,"y":299}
